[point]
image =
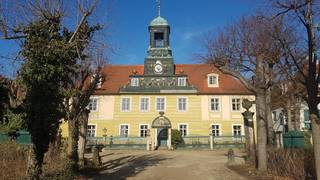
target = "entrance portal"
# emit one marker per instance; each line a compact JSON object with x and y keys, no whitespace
{"x":162,"y":131}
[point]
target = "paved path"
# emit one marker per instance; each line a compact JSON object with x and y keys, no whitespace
{"x":166,"y":165}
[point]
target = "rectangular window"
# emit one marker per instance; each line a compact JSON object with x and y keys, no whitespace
{"x":93,"y":104}
{"x":236,"y":130}
{"x":144,"y":104}
{"x":215,"y":130}
{"x":182,"y":104}
{"x":135,"y":82}
{"x":125,"y":104}
{"x":143,"y":130}
{"x":124,"y":130}
{"x":182,"y":81}
{"x":212,"y":80}
{"x":214,"y":104}
{"x":91,"y":131}
{"x":235,"y":104}
{"x":160,"y":104}
{"x":183,"y":128}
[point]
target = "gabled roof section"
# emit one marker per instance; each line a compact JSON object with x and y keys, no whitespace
{"x":117,"y":76}
{"x":197,"y":75}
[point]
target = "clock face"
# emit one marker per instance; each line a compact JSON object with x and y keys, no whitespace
{"x":158,"y":68}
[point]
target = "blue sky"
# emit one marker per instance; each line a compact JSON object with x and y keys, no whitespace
{"x":129,"y":19}
{"x":188,"y":19}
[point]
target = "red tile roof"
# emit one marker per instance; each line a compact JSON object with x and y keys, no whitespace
{"x":116,"y":76}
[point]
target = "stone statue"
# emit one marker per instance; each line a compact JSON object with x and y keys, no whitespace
{"x":247,"y":104}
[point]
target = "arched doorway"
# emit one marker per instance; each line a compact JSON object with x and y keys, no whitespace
{"x":162,"y":136}
{"x":162,"y":128}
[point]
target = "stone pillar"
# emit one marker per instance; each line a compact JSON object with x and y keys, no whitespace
{"x":148,"y":140}
{"x":281,"y":140}
{"x":155,"y":138}
{"x":169,"y":138}
{"x":249,"y":135}
{"x":277,"y":140}
{"x":152,"y":140}
{"x":211,"y":141}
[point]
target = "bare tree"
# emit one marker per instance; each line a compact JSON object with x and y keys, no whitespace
{"x":78,"y":89}
{"x":305,"y":13}
{"x":246,"y":51}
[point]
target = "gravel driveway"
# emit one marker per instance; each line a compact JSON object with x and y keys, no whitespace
{"x":166,"y":165}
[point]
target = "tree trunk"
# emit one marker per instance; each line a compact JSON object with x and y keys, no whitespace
{"x":316,"y":140}
{"x":34,"y":166}
{"x":289,"y":115}
{"x":269,"y":117}
{"x":72,"y":151}
{"x":82,"y":136}
{"x":261,"y":131}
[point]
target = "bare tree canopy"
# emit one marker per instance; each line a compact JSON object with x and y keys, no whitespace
{"x":15,"y":14}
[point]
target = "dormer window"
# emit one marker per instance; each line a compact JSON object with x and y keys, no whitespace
{"x":135,"y":82}
{"x":213,"y":80}
{"x":159,"y":39}
{"x":182,"y":81}
{"x":99,"y":83}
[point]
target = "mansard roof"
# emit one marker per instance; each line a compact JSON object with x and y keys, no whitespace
{"x":117,"y":76}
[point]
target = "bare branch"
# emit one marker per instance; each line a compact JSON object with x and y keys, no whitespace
{"x":84,"y":18}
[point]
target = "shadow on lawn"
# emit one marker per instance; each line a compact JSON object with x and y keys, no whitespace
{"x":123,"y":167}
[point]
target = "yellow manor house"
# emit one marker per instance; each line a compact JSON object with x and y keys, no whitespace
{"x":154,"y":98}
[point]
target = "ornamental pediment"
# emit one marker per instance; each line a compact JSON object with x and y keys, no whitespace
{"x":161,"y":122}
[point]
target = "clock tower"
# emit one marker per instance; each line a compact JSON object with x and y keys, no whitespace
{"x":159,"y":60}
{"x":159,"y":74}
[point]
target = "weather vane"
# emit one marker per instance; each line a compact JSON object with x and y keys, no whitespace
{"x":158,"y":4}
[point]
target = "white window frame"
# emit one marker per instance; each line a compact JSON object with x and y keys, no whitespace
{"x":128,"y":130}
{"x":97,"y":105}
{"x":134,"y":82}
{"x":130,"y":104}
{"x":217,"y":80}
{"x":219,"y":104}
{"x":95,"y":130}
{"x":140,"y":104}
{"x":180,"y":97}
{"x":220,"y":129}
{"x":241,"y":128}
{"x":165,"y":103}
{"x":182,"y":81}
{"x":232,"y":104}
{"x":139,"y":133}
{"x":187,"y":129}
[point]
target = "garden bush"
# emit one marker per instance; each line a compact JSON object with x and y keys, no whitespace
{"x":176,"y":138}
{"x":13,"y":162}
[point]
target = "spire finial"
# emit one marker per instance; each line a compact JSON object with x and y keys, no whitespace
{"x":158,"y":5}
